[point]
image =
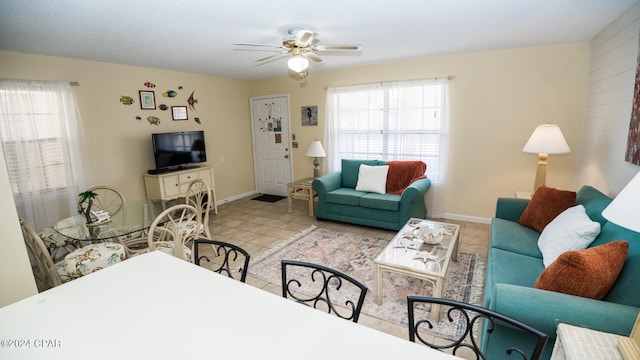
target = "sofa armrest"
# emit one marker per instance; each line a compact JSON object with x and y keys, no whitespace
{"x":416,"y":190}
{"x":544,"y":309}
{"x":326,"y":183}
{"x":510,"y":208}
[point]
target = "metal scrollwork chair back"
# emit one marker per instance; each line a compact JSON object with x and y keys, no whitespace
{"x":222,"y":257}
{"x":324,"y":288}
{"x":473,"y":316}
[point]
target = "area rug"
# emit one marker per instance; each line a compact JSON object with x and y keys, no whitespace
{"x":354,"y":255}
{"x":269,"y":198}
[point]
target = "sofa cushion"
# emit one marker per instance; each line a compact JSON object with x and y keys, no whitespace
{"x":402,"y":173}
{"x":505,"y":267}
{"x":372,"y":178}
{"x":388,"y":202}
{"x":571,"y":230}
{"x":350,"y":170}
{"x":513,"y":237}
{"x":588,"y":273}
{"x":345,"y":196}
{"x":545,"y":205}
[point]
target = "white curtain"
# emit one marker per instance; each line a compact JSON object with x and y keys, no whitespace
{"x":397,"y":120}
{"x":40,"y":131}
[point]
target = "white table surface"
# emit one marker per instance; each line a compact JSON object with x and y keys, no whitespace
{"x":157,"y":306}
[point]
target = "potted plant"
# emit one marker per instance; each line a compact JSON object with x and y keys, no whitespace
{"x":88,"y":197}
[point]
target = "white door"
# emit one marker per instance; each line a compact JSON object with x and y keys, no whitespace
{"x":271,"y":146}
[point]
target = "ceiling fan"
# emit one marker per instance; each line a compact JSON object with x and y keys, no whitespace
{"x":301,"y":45}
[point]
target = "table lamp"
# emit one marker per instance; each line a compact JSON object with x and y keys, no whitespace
{"x":315,"y":151}
{"x":546,"y":139}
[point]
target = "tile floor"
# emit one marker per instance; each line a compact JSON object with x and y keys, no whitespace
{"x":257,"y":226}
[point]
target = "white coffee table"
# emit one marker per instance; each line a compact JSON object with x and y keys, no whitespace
{"x":403,"y":256}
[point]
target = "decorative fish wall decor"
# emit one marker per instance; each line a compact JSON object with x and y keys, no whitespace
{"x":191,"y":101}
{"x":163,"y":107}
{"x":149,"y":85}
{"x":170,"y":93}
{"x":153,"y":120}
{"x":126,"y":100}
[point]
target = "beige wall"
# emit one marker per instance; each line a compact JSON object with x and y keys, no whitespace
{"x":117,"y":147}
{"x":614,"y":54}
{"x":497,"y":100}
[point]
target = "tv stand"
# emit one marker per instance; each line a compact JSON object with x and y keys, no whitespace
{"x":172,"y":184}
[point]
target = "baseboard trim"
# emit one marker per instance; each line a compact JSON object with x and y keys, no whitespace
{"x":475,"y":219}
{"x":235,"y":197}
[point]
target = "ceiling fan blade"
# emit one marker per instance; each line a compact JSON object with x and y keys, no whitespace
{"x":270,"y":57}
{"x":305,"y":37}
{"x":337,"y":48}
{"x":260,"y":50}
{"x":313,"y":57}
{"x":260,"y":45}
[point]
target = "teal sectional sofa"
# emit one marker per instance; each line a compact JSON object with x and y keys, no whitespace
{"x":515,"y":262}
{"x":338,"y":199}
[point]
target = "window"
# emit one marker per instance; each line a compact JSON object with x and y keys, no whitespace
{"x":37,"y":125}
{"x":41,"y":145}
{"x":400,"y":120}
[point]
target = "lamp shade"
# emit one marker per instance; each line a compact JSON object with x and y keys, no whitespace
{"x":547,"y":139}
{"x":624,"y":210}
{"x":315,"y":150}
{"x":298,"y":63}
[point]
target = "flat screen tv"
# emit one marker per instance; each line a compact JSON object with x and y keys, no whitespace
{"x":178,"y":150}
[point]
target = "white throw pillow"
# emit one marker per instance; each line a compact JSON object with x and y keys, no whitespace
{"x":571,"y":230}
{"x":373,"y":178}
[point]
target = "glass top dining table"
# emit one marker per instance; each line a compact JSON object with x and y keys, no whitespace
{"x":127,"y":221}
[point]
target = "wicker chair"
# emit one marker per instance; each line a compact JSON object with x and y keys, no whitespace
{"x":324,"y":289}
{"x":78,"y":263}
{"x":174,"y":230}
{"x":221,"y":257}
{"x":57,"y":244}
{"x":199,"y":195}
{"x":473,"y":316}
{"x":108,"y":199}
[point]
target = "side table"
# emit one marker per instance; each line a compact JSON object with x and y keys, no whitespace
{"x":301,"y":188}
{"x":578,"y":343}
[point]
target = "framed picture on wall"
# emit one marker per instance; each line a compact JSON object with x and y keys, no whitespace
{"x":179,"y":112}
{"x":309,"y":115}
{"x":147,"y":100}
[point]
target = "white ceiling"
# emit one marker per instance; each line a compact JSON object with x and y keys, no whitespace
{"x":198,"y":35}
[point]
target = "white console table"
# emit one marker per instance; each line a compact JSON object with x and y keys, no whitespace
{"x":173,"y":184}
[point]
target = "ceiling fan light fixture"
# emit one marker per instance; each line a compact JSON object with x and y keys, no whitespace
{"x":298,"y":63}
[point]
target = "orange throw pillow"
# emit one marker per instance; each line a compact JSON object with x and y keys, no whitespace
{"x":588,"y":273}
{"x":545,"y":205}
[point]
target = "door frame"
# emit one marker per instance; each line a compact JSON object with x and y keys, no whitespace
{"x":287,"y":136}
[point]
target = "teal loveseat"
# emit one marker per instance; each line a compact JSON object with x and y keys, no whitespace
{"x":515,"y":262}
{"x":338,"y":199}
